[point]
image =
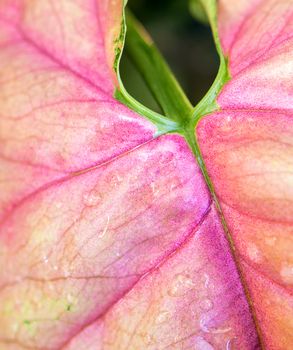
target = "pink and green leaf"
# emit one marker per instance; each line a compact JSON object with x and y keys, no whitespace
{"x":110,"y":237}
{"x":247,"y":149}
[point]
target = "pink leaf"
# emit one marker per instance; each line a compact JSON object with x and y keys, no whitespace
{"x":109,"y":237}
{"x":96,"y":212}
{"x":247,"y":148}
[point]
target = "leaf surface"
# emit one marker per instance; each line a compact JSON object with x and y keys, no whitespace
{"x":247,"y":149}
{"x":94,"y":208}
{"x":110,"y":238}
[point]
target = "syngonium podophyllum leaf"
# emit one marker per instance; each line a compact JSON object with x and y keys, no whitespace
{"x":110,"y":238}
{"x":247,"y":148}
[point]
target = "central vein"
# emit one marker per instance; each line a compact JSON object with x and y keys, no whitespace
{"x":179,"y":114}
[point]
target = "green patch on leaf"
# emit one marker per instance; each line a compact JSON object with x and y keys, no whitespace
{"x":69,"y":307}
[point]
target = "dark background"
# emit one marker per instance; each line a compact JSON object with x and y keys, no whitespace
{"x":186,"y":44}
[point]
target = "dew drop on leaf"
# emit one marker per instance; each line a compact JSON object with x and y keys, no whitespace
{"x":202,"y":344}
{"x":207,"y":328}
{"x":181,"y":284}
{"x":162,"y":317}
{"x":206,"y":304}
{"x":147,"y":338}
{"x":91,"y":198}
{"x":206,"y":280}
{"x":154,"y":189}
{"x":230,"y":344}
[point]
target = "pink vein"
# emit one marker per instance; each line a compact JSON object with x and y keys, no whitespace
{"x":68,"y":178}
{"x":41,"y":50}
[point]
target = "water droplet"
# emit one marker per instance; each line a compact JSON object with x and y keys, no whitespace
{"x":114,"y":180}
{"x":104,"y":124}
{"x":155,"y":190}
{"x":230,"y":344}
{"x":175,"y":184}
{"x":172,"y":187}
{"x":102,"y":234}
{"x":206,"y":304}
{"x":147,"y":338}
{"x":286,"y":273}
{"x":162,"y":317}
{"x":118,"y":178}
{"x":206,"y":280}
{"x":205,"y":327}
{"x":202,"y":344}
{"x":181,"y":284}
{"x":92,"y":198}
{"x":254,"y":253}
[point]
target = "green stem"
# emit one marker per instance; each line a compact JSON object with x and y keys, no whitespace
{"x":179,"y":116}
{"x":156,"y":72}
{"x":189,"y":136}
{"x":163,"y":124}
{"x":208,"y":103}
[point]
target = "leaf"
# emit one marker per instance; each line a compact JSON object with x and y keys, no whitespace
{"x":109,"y":235}
{"x":94,"y":209}
{"x":247,"y":149}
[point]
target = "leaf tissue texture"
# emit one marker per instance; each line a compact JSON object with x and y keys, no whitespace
{"x":109,"y":236}
{"x":248,"y":150}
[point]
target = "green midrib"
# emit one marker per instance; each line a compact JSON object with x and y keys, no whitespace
{"x":179,"y":114}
